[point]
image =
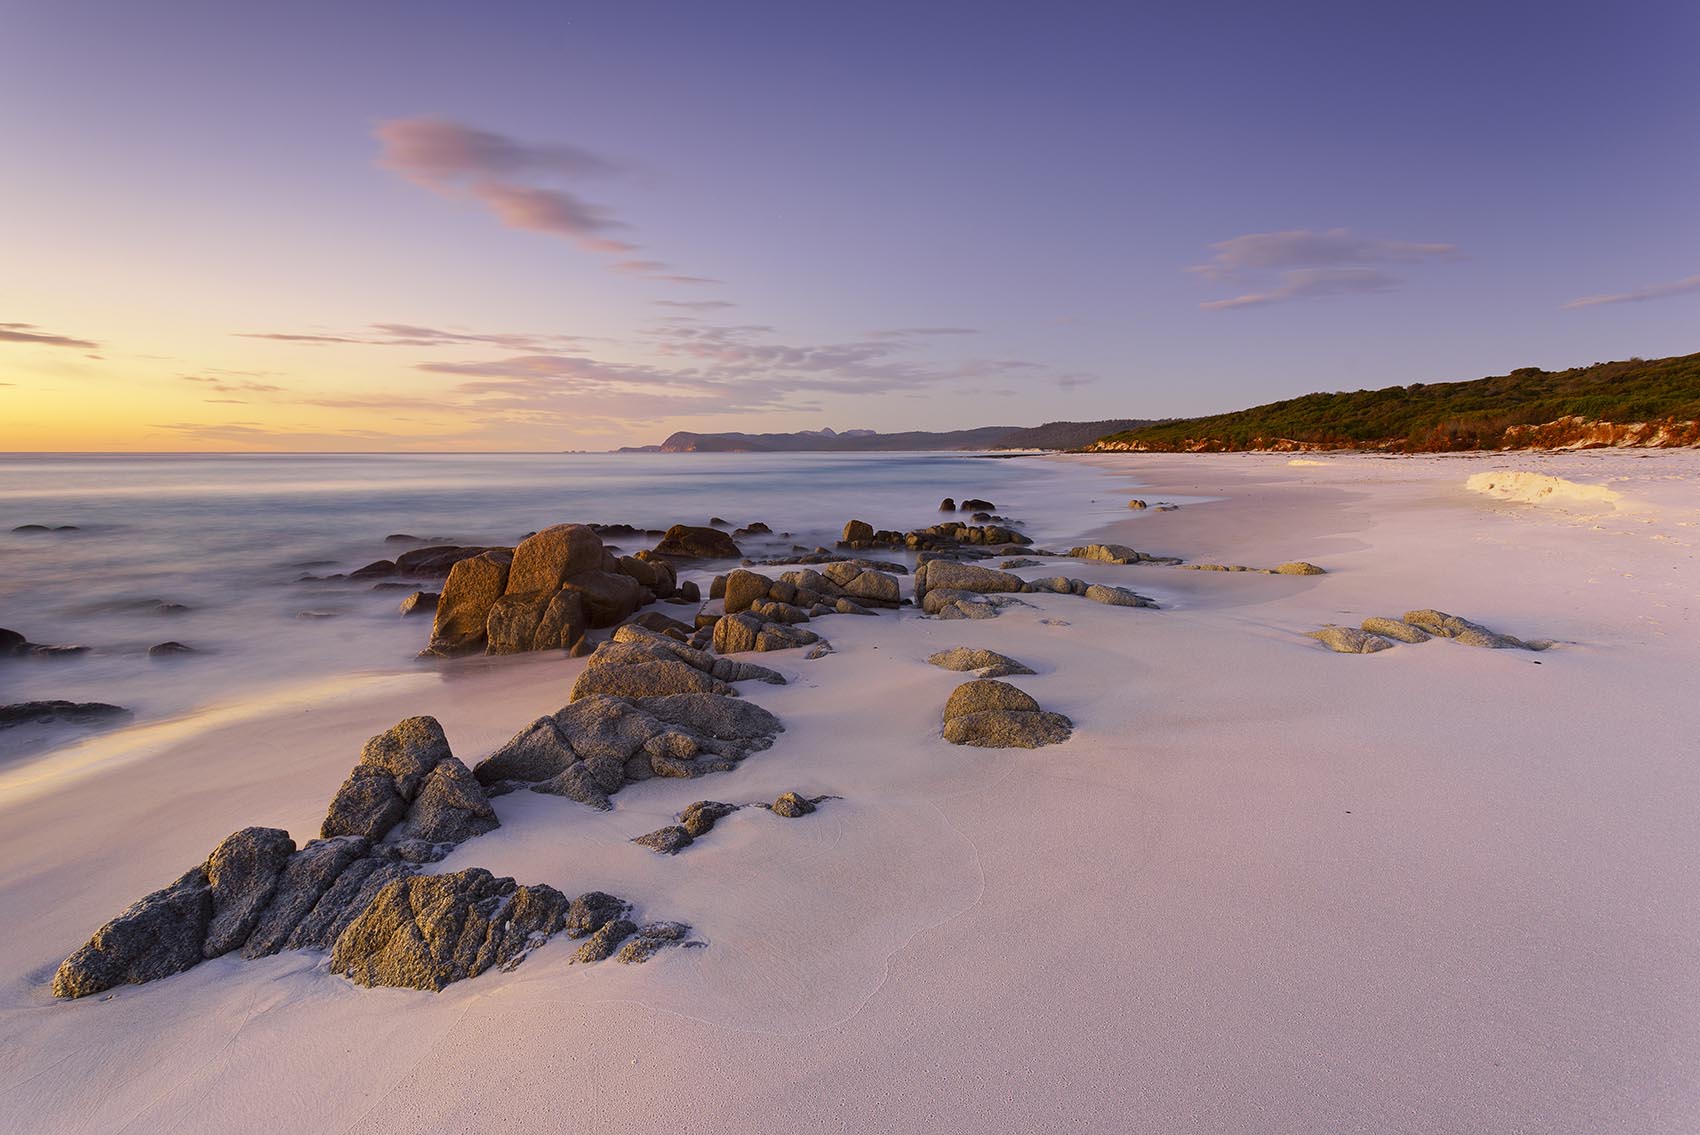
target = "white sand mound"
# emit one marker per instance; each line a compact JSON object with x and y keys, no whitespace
{"x":1305,"y":461}
{"x":1538,"y":488}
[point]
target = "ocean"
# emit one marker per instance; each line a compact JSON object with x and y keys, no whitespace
{"x":211,"y":551}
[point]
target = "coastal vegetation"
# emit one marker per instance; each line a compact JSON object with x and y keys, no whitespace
{"x":1652,"y":402}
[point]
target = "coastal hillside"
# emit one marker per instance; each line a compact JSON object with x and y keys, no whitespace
{"x":1639,"y":402}
{"x":1051,"y":435}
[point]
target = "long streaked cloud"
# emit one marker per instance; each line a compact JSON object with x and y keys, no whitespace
{"x":1688,"y":285}
{"x":1298,"y":264}
{"x":409,"y":335}
{"x":30,"y":333}
{"x":520,"y":184}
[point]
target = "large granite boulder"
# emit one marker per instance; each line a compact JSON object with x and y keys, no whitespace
{"x":426,"y":931}
{"x":736,"y":634}
{"x":544,"y":561}
{"x":991,"y":714}
{"x":685,"y":542}
{"x":408,"y":773}
{"x":953,"y":576}
{"x":609,"y":597}
{"x":744,"y":588}
{"x":471,"y":590}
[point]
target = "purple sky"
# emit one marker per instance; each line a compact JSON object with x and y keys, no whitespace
{"x":550,"y":225}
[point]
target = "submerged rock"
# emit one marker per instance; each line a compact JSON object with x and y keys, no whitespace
{"x":683,"y":541}
{"x":75,"y":713}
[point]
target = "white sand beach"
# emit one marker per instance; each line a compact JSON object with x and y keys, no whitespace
{"x":1264,"y":887}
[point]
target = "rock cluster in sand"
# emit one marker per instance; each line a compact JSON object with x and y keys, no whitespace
{"x":1379,"y":633}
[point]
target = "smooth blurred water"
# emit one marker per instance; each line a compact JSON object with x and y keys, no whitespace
{"x":229,"y":536}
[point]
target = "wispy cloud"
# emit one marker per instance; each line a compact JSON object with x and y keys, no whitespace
{"x":519,"y":183}
{"x":920,"y":332}
{"x":30,"y":333}
{"x":1688,"y":285}
{"x":696,"y":305}
{"x":1299,"y":264}
{"x":224,"y":384}
{"x":409,"y":335}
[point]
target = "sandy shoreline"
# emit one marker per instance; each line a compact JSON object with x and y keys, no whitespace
{"x":1264,"y":887}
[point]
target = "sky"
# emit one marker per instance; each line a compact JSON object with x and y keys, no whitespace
{"x":561,"y":225}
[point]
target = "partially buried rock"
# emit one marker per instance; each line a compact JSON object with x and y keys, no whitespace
{"x":426,"y":931}
{"x":605,"y":940}
{"x":669,"y":840}
{"x":161,"y":934}
{"x":992,"y":714}
{"x":685,"y":542}
{"x":699,"y":819}
{"x":1397,"y":629}
{"x":791,"y":805}
{"x":169,"y":650}
{"x":989,"y":663}
{"x":1117,"y":596}
{"x":1459,"y":629}
{"x":1297,"y":567}
{"x":1349,"y":640}
{"x":243,"y":872}
{"x":651,"y":939}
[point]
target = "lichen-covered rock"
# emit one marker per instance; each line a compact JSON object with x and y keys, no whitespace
{"x":791,"y":805}
{"x":243,"y":873}
{"x":302,"y":882}
{"x":650,"y":939}
{"x":647,"y":680}
{"x":473,"y":586}
{"x":699,"y":819}
{"x":1397,"y":629}
{"x":451,"y":806}
{"x":685,"y":542}
{"x":992,"y":714}
{"x":989,"y":663}
{"x":669,"y":840}
{"x":161,"y":934}
{"x":426,"y":931}
{"x":592,"y":911}
{"x":1349,"y":640}
{"x":953,"y":576}
{"x":547,"y":559}
{"x":1116,"y":596}
{"x":605,"y":940}
{"x":367,"y":804}
{"x":1008,"y":729}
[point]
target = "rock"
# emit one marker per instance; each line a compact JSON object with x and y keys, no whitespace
{"x":684,"y":542}
{"x":1297,"y":567}
{"x":989,"y":663}
{"x":592,"y":911}
{"x":378,"y":569}
{"x":562,"y":624}
{"x":819,"y":650}
{"x":948,"y":504}
{"x":1349,"y":640}
{"x":1136,"y":503}
{"x":736,"y":634}
{"x":420,"y":603}
{"x":408,"y":751}
{"x":1395,"y":629}
{"x":963,"y":577}
{"x":169,"y":650}
{"x":511,"y":627}
{"x":12,"y":643}
{"x":858,"y":533}
{"x":438,"y":560}
{"x":699,"y":819}
{"x":426,"y":931}
{"x":544,"y":561}
{"x":984,"y":694}
{"x":790,"y":805}
{"x":1109,"y":554}
{"x":661,"y":624}
{"x":605,"y":940}
{"x":975,"y":504}
{"x":472,"y":588}
{"x":351,"y":893}
{"x":577,"y":782}
{"x":1116,"y":596}
{"x":1462,"y":630}
{"x":948,"y":603}
{"x":1008,"y":730}
{"x":647,"y":680}
{"x":43,"y":712}
{"x":242,"y":873}
{"x":1019,"y":562}
{"x":992,"y":714}
{"x":451,"y":806}
{"x":873,"y":587}
{"x":304,"y":879}
{"x":743,"y":588}
{"x":1054,"y":584}
{"x":689,"y":592}
{"x":650,"y":940}
{"x":161,"y":934}
{"x":609,"y":598}
{"x":669,"y":840}
{"x":367,"y":805}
